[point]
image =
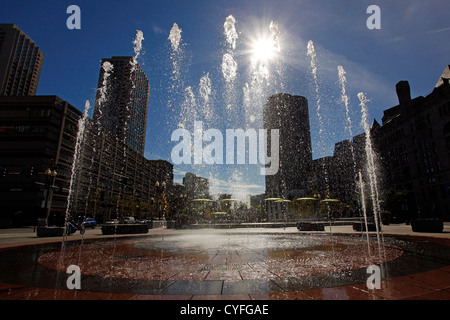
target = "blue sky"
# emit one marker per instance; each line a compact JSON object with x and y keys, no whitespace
{"x":412,"y":45}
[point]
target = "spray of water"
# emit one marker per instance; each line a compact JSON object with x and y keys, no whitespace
{"x":345,"y":100}
{"x":230,"y":31}
{"x":176,"y":56}
{"x":279,"y":69}
{"x":312,"y":55}
{"x":76,"y":164}
{"x":176,"y":85}
{"x":364,"y":209}
{"x":205,"y":91}
{"x":229,"y":68}
{"x":229,"y":65}
{"x":175,"y":37}
{"x":74,"y":175}
{"x":138,"y":43}
{"x":246,"y":97}
{"x":275,"y":32}
{"x":188,"y":109}
{"x":107,"y":70}
{"x":371,"y":165}
{"x":137,"y":47}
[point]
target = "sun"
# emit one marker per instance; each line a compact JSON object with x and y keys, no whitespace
{"x":263,"y":50}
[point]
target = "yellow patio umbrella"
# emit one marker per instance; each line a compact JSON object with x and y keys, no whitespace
{"x":329,"y":200}
{"x":272,"y":199}
{"x":306,"y":199}
{"x":202,"y":200}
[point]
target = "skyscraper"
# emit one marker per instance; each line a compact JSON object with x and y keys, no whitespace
{"x":290,"y":115}
{"x":123,"y":112}
{"x":20,"y":62}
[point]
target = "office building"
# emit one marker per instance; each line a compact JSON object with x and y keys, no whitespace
{"x":115,"y":180}
{"x":196,"y":187}
{"x":414,"y":149}
{"x":37,"y":143}
{"x":412,"y":154}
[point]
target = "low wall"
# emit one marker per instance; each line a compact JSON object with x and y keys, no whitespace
{"x":159,"y":223}
{"x":109,"y":229}
{"x":361,"y":226}
{"x":427,"y":225}
{"x":44,"y":231}
{"x":310,"y":226}
{"x":242,"y":225}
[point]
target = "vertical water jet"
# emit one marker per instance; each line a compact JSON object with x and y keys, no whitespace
{"x":371,"y":165}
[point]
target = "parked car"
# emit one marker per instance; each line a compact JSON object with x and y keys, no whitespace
{"x":147,"y":222}
{"x":112,"y":221}
{"x":129,"y":220}
{"x":89,"y":223}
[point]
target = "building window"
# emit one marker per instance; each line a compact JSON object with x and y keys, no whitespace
{"x":404,"y":159}
{"x":447,"y":129}
{"x":447,"y":134}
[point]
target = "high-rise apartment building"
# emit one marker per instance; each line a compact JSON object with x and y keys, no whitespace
{"x":123,"y":111}
{"x":20,"y":62}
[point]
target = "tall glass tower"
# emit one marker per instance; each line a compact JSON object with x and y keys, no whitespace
{"x":290,"y":115}
{"x":123,"y":111}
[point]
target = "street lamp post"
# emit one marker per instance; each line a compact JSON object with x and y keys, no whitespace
{"x":160,"y":188}
{"x":50,"y":176}
{"x":184,"y":218}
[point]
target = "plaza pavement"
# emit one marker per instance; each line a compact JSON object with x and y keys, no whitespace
{"x":429,"y":285}
{"x":27,"y":235}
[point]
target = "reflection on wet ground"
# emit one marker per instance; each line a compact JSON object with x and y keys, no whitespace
{"x":247,"y":266}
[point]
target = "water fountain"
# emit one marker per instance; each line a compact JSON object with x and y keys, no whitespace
{"x":371,"y":165}
{"x":358,"y":177}
{"x":220,"y":262}
{"x":76,"y":166}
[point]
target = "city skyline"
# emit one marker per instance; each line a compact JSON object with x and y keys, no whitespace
{"x":409,"y":46}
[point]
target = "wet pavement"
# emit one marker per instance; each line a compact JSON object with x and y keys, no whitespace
{"x":278,"y":264}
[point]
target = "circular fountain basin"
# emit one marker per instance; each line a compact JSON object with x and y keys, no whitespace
{"x":219,"y":262}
